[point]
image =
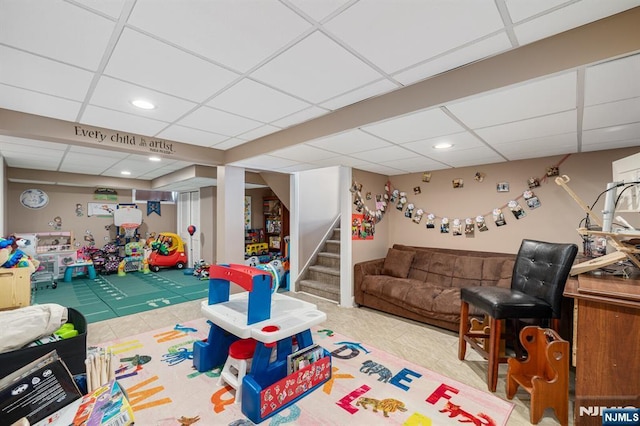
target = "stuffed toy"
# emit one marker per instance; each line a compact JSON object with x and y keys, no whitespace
{"x":11,"y":256}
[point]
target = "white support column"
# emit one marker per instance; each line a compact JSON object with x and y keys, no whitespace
{"x":294,"y":231}
{"x":346,"y":268}
{"x":230,"y":215}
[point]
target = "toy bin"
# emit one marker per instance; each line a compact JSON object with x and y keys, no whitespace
{"x":73,"y":351}
{"x":262,"y":400}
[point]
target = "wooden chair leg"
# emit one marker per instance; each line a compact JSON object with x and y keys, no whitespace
{"x":494,"y":353}
{"x":464,"y":329}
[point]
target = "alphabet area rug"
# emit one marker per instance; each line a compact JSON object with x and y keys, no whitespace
{"x":367,"y":386}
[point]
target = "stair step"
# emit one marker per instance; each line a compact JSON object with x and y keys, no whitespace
{"x":320,"y":289}
{"x":327,"y":254}
{"x":325,"y":270}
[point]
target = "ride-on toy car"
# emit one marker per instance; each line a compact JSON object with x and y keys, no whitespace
{"x":167,"y":251}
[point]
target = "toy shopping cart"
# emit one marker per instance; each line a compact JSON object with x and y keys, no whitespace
{"x":44,"y":277}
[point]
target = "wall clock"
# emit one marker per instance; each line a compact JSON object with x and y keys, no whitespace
{"x":34,"y":198}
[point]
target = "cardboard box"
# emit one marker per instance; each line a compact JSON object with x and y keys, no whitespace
{"x":37,"y":390}
{"x":15,"y":288}
{"x":73,"y":351}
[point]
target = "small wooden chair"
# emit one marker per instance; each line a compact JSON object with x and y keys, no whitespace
{"x":544,"y":374}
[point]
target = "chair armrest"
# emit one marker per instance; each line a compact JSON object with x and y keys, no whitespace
{"x":369,"y":267}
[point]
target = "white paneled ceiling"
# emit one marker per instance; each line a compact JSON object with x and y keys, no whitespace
{"x":223,"y":73}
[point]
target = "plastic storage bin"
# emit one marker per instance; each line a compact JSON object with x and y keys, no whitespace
{"x":73,"y":351}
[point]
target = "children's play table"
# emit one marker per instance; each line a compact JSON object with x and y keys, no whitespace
{"x":272,"y":319}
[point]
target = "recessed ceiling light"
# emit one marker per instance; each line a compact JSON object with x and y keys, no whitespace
{"x":142,"y":104}
{"x":154,"y":158}
{"x":125,"y":172}
{"x":443,"y":145}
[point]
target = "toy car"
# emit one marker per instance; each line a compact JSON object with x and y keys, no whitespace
{"x":167,"y":251}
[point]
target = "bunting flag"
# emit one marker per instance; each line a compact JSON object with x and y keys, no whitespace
{"x":153,"y":207}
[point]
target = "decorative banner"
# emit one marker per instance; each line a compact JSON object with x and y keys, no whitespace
{"x":106,"y":194}
{"x":153,"y":207}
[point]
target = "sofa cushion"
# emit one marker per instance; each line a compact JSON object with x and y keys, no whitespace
{"x":397,"y":263}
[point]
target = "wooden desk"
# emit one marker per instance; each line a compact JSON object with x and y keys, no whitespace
{"x":607,"y":339}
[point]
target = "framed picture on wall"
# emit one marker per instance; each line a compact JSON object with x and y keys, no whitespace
{"x":247,"y":212}
{"x":101,"y":209}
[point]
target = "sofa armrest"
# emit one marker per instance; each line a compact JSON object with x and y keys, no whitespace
{"x":369,"y":267}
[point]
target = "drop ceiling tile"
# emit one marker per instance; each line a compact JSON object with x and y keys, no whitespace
{"x":468,"y":157}
{"x":300,"y":167}
{"x":416,"y":31}
{"x":234,"y":33}
{"x":611,"y":114}
{"x":369,"y":91}
{"x":554,"y":124}
{"x":229,"y":143}
{"x":119,"y":121}
{"x":43,"y":75}
{"x":26,"y":145}
{"x":102,"y":153}
{"x":349,"y":142}
{"x":264,"y":162}
{"x":605,"y":134}
{"x":461,"y":56}
{"x":38,"y":103}
{"x":571,"y":16}
{"x":522,"y":9}
{"x":41,"y":163}
{"x":257,"y":101}
{"x":31,"y":152}
{"x":612,"y":81}
{"x":259,"y":132}
{"x":420,"y":125}
{"x":300,"y":117}
{"x":118,"y":95}
{"x":88,"y":160}
{"x":381,"y":155}
{"x":57,"y":30}
{"x":85,"y":168}
{"x":342,"y":160}
{"x":303,"y":153}
{"x":150,"y":63}
{"x":460,"y":141}
{"x":415,"y":165}
{"x":629,"y":143}
{"x":518,"y":102}
{"x":316,"y":69}
{"x":191,"y":136}
{"x":539,"y":147}
{"x":213,"y":120}
{"x":111,"y":7}
{"x":319,"y":10}
{"x":382,"y":170}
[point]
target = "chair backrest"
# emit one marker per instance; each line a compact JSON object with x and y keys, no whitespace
{"x":541,"y":270}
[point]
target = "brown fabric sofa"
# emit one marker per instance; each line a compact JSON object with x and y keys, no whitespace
{"x":423,"y":284}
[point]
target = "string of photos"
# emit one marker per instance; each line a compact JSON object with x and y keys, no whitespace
{"x":467,"y":226}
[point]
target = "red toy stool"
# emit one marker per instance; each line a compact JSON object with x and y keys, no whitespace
{"x":239,"y":360}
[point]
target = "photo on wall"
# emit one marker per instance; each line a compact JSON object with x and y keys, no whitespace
{"x":101,"y":209}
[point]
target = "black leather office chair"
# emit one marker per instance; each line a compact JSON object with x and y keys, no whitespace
{"x":539,"y":275}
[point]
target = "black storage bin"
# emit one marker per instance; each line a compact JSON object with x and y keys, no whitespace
{"x":73,"y":351}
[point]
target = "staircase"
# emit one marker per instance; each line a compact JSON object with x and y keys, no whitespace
{"x":322,"y":278}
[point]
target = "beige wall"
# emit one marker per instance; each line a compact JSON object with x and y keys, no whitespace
{"x":556,"y":220}
{"x":62,"y":203}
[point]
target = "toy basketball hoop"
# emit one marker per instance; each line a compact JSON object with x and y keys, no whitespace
{"x":128,"y":218}
{"x":129,"y":229}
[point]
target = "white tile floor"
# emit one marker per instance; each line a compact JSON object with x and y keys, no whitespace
{"x":421,"y":344}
